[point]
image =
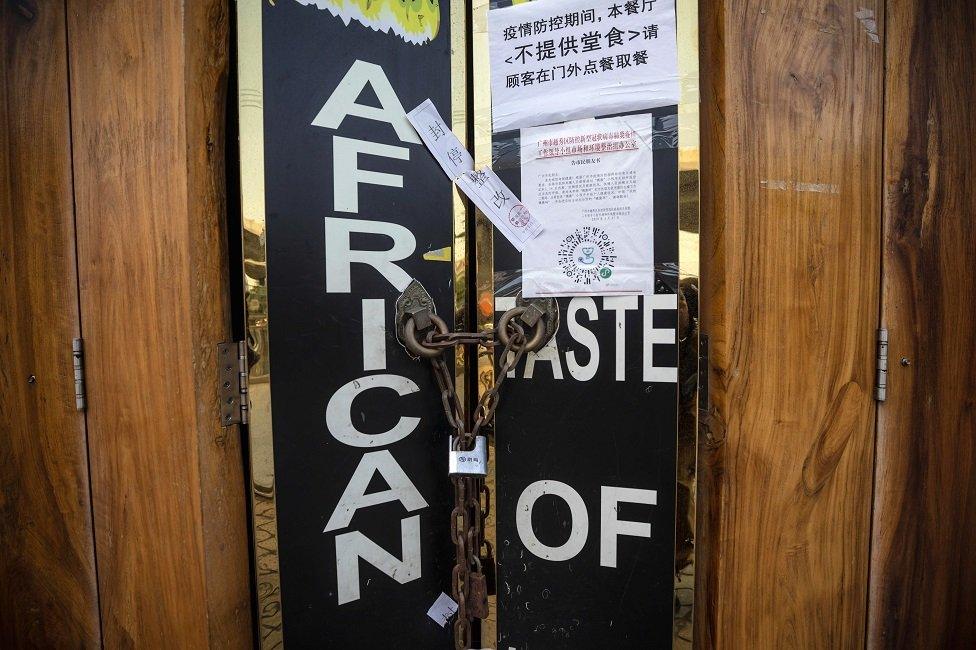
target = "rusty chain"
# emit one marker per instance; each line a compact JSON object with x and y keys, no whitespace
{"x":472,"y":502}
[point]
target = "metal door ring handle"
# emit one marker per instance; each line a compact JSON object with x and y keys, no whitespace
{"x":538,"y":332}
{"x":416,"y":347}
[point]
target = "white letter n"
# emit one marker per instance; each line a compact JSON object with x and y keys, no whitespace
{"x":352,"y":546}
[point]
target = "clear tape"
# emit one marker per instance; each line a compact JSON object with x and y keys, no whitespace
{"x":509,"y":283}
{"x":507,"y":151}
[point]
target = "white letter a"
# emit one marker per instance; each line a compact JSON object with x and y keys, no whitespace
{"x":354,"y":496}
{"x":342,"y":102}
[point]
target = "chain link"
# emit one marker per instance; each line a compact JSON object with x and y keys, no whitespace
{"x":469,"y":516}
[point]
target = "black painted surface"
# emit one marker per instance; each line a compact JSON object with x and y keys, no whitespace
{"x":316,"y":338}
{"x":600,"y":432}
{"x":586,"y":434}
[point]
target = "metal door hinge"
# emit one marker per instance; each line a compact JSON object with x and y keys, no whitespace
{"x":881,"y":378}
{"x":232,"y":386}
{"x":78,"y":360}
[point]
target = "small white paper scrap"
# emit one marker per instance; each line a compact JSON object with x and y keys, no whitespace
{"x":500,"y":205}
{"x":453,"y":158}
{"x":443,"y":609}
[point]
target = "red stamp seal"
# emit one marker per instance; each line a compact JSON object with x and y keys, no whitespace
{"x":519,"y":216}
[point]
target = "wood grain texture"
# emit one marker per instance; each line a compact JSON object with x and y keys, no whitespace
{"x":923,"y":569}
{"x":791,"y":202}
{"x":148,"y":96}
{"x":48,"y":594}
{"x":223,"y":489}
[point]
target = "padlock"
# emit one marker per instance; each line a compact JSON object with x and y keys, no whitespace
{"x":468,"y":463}
{"x":477,"y":600}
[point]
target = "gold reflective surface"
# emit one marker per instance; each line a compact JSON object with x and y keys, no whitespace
{"x":688,"y":262}
{"x":484,"y":269}
{"x":264,"y":510}
{"x":459,"y":124}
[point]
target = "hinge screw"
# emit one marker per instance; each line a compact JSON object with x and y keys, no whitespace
{"x":32,"y":379}
{"x":905,"y":361}
{"x":26,"y":9}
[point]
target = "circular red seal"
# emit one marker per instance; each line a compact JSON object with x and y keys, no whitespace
{"x":519,"y":216}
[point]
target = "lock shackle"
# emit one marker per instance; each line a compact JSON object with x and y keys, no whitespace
{"x":538,"y":332}
{"x":416,"y":347}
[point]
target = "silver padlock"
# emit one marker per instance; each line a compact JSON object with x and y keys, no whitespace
{"x":468,"y":463}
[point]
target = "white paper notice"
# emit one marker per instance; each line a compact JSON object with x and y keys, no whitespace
{"x":501,"y":206}
{"x":557,"y":60}
{"x":591,"y":183}
{"x":453,"y":158}
{"x":443,"y":609}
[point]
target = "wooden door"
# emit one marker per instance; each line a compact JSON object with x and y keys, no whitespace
{"x":837,"y":144}
{"x":791,"y":142}
{"x":48,"y":595}
{"x":923,"y":570}
{"x":112,"y":231}
{"x":148,"y":92}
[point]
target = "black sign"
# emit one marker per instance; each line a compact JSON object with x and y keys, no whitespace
{"x":586,"y":448}
{"x":353,"y":203}
{"x":585,"y":453}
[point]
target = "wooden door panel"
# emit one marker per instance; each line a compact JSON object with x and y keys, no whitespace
{"x":48,"y":595}
{"x":791,"y":140}
{"x":147,"y":98}
{"x":923,"y":571}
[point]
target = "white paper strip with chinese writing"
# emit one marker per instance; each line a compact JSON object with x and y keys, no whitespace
{"x":453,"y":158}
{"x":501,"y":206}
{"x":557,"y":60}
{"x":483,"y":187}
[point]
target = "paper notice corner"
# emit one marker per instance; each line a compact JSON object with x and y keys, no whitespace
{"x":442,"y":610}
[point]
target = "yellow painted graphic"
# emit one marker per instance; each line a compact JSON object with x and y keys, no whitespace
{"x":440,"y":255}
{"x":415,"y":21}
